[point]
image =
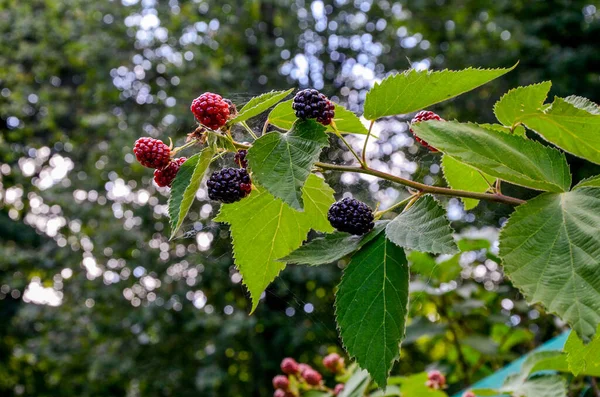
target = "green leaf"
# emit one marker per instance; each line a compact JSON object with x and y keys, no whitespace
{"x":583,"y":358}
{"x":415,"y":90}
{"x":414,"y":386}
{"x":518,"y":130}
{"x":425,"y":265}
{"x":389,"y":391}
{"x":488,"y":392}
{"x":357,"y":384}
{"x":185,"y":186}
{"x":583,"y":104}
{"x":464,"y":177}
{"x":259,"y":104}
{"x":574,"y":130}
{"x":316,"y":393}
{"x":332,"y":247}
{"x":512,"y":158}
{"x":423,"y":227}
{"x":282,"y":162}
{"x":547,"y":386}
{"x":520,"y":102}
{"x":593,"y":181}
{"x":372,"y":304}
{"x":550,"y":248}
{"x":264,"y":228}
{"x":470,"y":244}
{"x":283,"y":116}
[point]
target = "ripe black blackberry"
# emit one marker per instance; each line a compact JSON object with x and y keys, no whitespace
{"x":240,"y":158}
{"x":229,"y":185}
{"x":311,"y":104}
{"x":351,"y":216}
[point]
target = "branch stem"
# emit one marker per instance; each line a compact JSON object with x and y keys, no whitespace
{"x":247,"y":127}
{"x":364,"y":152}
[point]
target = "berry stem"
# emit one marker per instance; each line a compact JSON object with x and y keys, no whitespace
{"x":185,"y":146}
{"x":399,"y":204}
{"x":247,"y":127}
{"x":364,"y":152}
{"x":339,"y":135}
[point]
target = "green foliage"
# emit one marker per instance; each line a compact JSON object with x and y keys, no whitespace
{"x":185,"y":185}
{"x":264,"y":229}
{"x":282,"y":162}
{"x":464,"y":177}
{"x":371,"y":306}
{"x":357,"y":384}
{"x":415,"y":90}
{"x":550,"y":250}
{"x":423,"y":227}
{"x":593,"y":181}
{"x":260,"y":104}
{"x":583,"y":104}
{"x":511,"y":158}
{"x":519,"y":103}
{"x":583,"y":358}
{"x":414,"y":386}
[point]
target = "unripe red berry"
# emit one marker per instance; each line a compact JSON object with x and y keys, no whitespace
{"x":312,"y":377}
{"x":338,"y":389}
{"x":333,"y":362}
{"x":435,"y":380}
{"x":469,"y":394}
{"x":280,"y":393}
{"x":164,"y":177}
{"x":211,"y":110}
{"x":281,"y":382}
{"x":289,"y":366}
{"x":151,"y":152}
{"x":424,"y":115}
{"x":303,"y":367}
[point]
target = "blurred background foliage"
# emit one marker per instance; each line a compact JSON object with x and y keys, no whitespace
{"x":94,"y":299}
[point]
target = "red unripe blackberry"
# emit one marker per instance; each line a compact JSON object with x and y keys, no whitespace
{"x":338,"y":389}
{"x":311,"y":104}
{"x":424,"y":115}
{"x":229,"y":185}
{"x":240,"y":158}
{"x":351,"y":216}
{"x":281,"y":382}
{"x":289,"y":366}
{"x":312,"y":377}
{"x":164,"y":177}
{"x":280,"y":393}
{"x":333,"y":362}
{"x":151,"y":152}
{"x":435,"y":380}
{"x":211,"y":110}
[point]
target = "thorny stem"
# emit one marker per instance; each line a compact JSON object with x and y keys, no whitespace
{"x":364,"y":152}
{"x":442,"y":191}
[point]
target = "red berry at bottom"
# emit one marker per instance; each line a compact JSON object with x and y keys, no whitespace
{"x":164,"y":177}
{"x":424,"y":115}
{"x":211,"y":110}
{"x":151,"y":152}
{"x":333,"y":362}
{"x":289,"y":366}
{"x":281,"y":382}
{"x":280,"y":393}
{"x":338,"y":389}
{"x":435,"y":380}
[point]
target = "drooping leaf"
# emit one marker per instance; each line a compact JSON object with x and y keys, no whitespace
{"x":264,"y":229}
{"x":550,"y":248}
{"x":259,"y":104}
{"x":332,"y":247}
{"x":572,"y":129}
{"x":583,"y":358}
{"x":593,"y":181}
{"x":583,"y":104}
{"x":508,"y":157}
{"x":282,"y":162}
{"x":346,"y":122}
{"x":461,"y":176}
{"x":423,"y":227}
{"x":185,"y":186}
{"x":521,"y":102}
{"x":416,"y":90}
{"x":372,"y":304}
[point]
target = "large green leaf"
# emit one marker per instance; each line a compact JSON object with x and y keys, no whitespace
{"x":521,"y":102}
{"x":415,"y":90}
{"x":372,"y":304}
{"x":550,"y":248}
{"x":593,"y":181}
{"x":185,"y":186}
{"x":264,"y":229}
{"x":572,"y":129}
{"x":346,"y":122}
{"x":282,"y":162}
{"x":583,"y":358}
{"x":509,"y":157}
{"x":583,"y":103}
{"x":464,"y":177}
{"x":423,"y":227}
{"x":332,"y":247}
{"x":259,"y":104}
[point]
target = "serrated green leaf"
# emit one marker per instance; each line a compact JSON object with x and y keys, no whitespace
{"x":264,"y":229}
{"x":185,"y":186}
{"x":464,"y":177}
{"x":583,"y":358}
{"x":583,"y":104}
{"x":550,"y":248}
{"x":282,"y":162}
{"x":346,"y":122}
{"x":574,"y":130}
{"x":593,"y":181}
{"x":332,"y":247}
{"x":372,"y":304}
{"x":521,"y":102}
{"x":423,"y":227}
{"x":415,"y":90}
{"x":508,"y":157}
{"x":357,"y":384}
{"x":259,"y":104}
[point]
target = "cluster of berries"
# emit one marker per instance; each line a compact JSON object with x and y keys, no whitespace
{"x":153,"y":153}
{"x":305,"y":377}
{"x":311,"y":104}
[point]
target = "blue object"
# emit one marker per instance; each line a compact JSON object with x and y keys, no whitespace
{"x":496,"y":380}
